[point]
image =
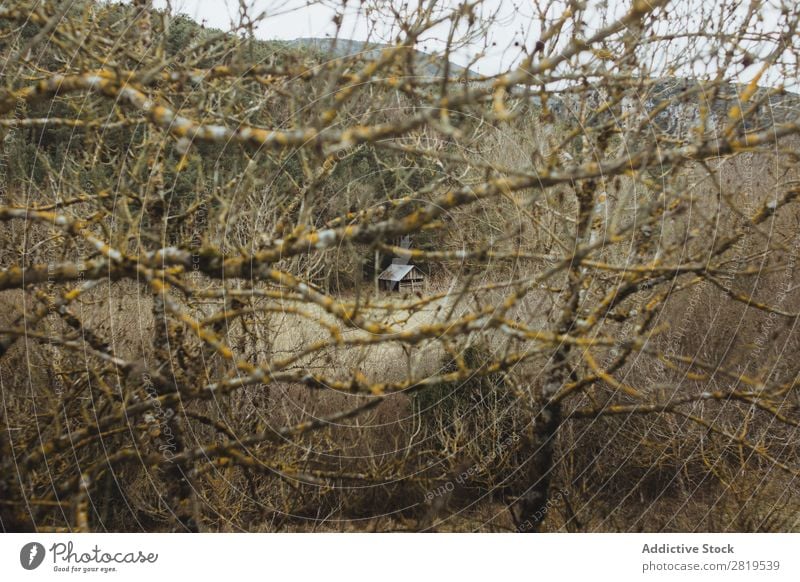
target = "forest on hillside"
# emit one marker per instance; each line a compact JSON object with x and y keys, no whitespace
{"x":337,"y":285}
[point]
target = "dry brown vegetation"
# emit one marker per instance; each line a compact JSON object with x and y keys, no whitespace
{"x":192,"y":221}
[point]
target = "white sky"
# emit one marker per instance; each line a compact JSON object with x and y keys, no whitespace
{"x":512,"y":21}
{"x":291,"y":19}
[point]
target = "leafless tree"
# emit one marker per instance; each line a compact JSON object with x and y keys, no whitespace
{"x":193,"y":221}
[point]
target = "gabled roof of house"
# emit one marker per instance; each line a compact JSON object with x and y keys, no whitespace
{"x":395,"y":272}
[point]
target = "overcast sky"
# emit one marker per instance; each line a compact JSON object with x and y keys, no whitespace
{"x":290,"y":19}
{"x":513,"y":21}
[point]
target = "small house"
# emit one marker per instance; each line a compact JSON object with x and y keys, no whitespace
{"x":401,"y":277}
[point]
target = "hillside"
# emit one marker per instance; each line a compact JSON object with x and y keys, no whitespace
{"x":427,"y":65}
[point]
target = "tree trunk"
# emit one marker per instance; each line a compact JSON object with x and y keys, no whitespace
{"x":534,"y":504}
